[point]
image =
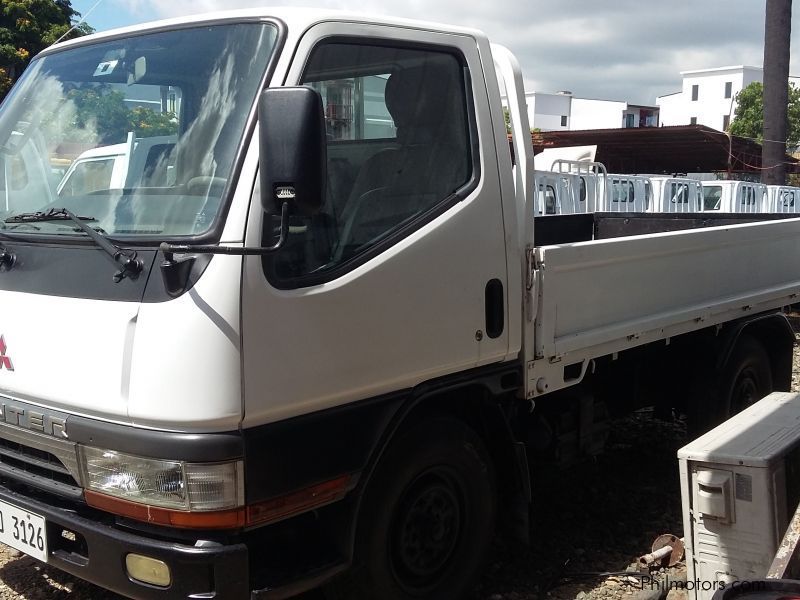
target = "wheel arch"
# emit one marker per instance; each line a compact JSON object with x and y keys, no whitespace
{"x":774,"y":332}
{"x":482,"y":402}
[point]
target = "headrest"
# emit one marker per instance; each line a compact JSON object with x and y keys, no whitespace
{"x":421,"y":96}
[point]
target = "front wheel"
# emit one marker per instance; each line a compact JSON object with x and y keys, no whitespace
{"x":427,"y":519}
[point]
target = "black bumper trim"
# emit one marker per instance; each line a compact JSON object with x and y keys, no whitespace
{"x":207,"y":572}
{"x":192,"y":447}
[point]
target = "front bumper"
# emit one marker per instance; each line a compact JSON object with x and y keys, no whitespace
{"x":219,"y":571}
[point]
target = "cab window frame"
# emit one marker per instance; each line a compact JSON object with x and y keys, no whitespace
{"x":404,"y":230}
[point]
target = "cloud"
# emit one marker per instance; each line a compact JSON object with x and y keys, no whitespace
{"x":622,"y":50}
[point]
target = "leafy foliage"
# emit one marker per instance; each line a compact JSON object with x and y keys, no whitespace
{"x":148,"y":123}
{"x":103,"y":117}
{"x":749,"y":119}
{"x":29,"y":26}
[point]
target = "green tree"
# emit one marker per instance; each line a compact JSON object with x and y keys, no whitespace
{"x":101,"y":111}
{"x":149,"y":123}
{"x":749,"y":118}
{"x":101,"y":116}
{"x":27,"y":27}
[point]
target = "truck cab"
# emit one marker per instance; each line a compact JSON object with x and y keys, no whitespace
{"x":165,"y":432}
{"x":138,"y":161}
{"x":783,"y":199}
{"x":736,"y":197}
{"x":676,"y":195}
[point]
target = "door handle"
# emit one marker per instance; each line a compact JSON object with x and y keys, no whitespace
{"x":495,"y":308}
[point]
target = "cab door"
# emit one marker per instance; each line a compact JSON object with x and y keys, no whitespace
{"x":401,"y":278}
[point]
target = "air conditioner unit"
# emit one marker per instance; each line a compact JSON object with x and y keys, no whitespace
{"x":740,"y":484}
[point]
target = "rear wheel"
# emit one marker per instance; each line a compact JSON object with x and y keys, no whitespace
{"x":748,"y":377}
{"x":745,"y":379}
{"x":427,"y":518}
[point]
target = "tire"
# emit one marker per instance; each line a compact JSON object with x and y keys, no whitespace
{"x":745,"y":379}
{"x":427,"y":517}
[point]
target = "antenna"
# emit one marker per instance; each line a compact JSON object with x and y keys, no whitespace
{"x":78,"y":24}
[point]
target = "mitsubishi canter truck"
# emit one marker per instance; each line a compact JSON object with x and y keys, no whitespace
{"x":327,"y":346}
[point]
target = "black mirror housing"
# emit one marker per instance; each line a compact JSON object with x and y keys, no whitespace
{"x":292,"y":149}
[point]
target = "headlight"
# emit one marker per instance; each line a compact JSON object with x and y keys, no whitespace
{"x":165,"y":483}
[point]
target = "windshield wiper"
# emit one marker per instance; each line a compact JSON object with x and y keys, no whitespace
{"x":126,"y":258}
{"x":54,"y":214}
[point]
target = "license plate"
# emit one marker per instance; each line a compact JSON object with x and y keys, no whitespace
{"x":23,"y":530}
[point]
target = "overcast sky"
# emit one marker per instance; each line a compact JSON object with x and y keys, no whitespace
{"x":630,"y":50}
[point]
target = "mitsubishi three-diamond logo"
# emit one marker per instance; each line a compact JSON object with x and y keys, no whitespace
{"x":5,"y":361}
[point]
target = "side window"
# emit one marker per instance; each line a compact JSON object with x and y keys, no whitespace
{"x":748,"y":195}
{"x":355,"y":107}
{"x":89,"y":176}
{"x":550,"y":200}
{"x":399,"y":148}
{"x":679,"y":193}
{"x":712,"y":197}
{"x":622,"y":191}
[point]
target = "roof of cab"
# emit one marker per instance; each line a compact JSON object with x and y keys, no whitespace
{"x":296,"y":19}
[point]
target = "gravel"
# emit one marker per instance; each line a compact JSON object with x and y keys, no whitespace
{"x":596,"y":517}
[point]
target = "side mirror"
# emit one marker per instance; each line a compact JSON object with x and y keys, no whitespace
{"x":292,"y":149}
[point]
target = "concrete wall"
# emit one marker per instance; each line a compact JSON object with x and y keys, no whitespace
{"x":563,"y":112}
{"x":711,"y":106}
{"x":597,"y":114}
{"x":545,"y":111}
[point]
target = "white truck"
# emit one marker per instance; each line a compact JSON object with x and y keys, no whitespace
{"x":325,"y":351}
{"x":139,"y":161}
{"x":570,"y":187}
{"x":630,"y":193}
{"x":783,"y":198}
{"x":733,"y":196}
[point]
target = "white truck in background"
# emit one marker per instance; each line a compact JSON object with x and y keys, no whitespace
{"x":570,"y":187}
{"x":118,"y":166}
{"x":676,"y":194}
{"x":323,"y":350}
{"x":630,"y":193}
{"x":733,"y":196}
{"x":783,"y":198}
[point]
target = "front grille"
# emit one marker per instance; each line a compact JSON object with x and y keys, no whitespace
{"x":40,"y":461}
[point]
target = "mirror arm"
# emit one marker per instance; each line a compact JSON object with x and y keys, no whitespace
{"x":176,"y":272}
{"x":170,"y":250}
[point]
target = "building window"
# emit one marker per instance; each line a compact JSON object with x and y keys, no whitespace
{"x":629,"y":120}
{"x":695,"y":92}
{"x":726,"y":121}
{"x":693,"y":121}
{"x":563,"y":120}
{"x":728,"y":89}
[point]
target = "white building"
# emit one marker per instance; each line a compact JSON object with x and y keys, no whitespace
{"x":707,"y":96}
{"x":562,"y":112}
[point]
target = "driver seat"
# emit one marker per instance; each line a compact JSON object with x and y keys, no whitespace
{"x":429,"y":162}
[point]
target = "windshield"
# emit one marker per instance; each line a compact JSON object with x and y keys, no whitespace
{"x":140,"y":133}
